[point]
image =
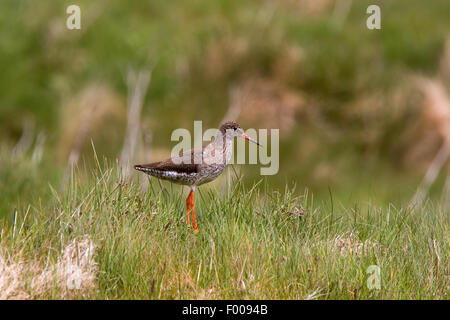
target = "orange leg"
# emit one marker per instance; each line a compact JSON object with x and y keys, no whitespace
{"x":194,"y":218}
{"x":188,"y":209}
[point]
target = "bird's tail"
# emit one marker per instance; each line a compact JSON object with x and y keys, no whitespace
{"x":140,"y":168}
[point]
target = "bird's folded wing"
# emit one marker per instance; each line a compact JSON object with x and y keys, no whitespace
{"x":187,"y":162}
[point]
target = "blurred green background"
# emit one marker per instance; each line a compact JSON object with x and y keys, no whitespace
{"x":362,"y":113}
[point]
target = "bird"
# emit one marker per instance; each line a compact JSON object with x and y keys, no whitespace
{"x":198,"y":166}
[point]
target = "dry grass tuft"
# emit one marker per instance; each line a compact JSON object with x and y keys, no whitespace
{"x":436,"y":106}
{"x":11,"y":282}
{"x":75,"y":270}
{"x":425,"y":136}
{"x":74,"y":273}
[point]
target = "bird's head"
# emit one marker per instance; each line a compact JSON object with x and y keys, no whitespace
{"x":232,"y":130}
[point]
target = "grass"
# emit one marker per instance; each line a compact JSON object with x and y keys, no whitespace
{"x":253,"y":243}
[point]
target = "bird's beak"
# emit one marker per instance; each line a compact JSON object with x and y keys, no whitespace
{"x":246,"y":137}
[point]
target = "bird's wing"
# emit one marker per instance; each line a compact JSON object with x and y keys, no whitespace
{"x":186,"y":162}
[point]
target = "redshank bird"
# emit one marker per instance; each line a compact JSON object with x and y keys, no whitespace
{"x":198,"y":166}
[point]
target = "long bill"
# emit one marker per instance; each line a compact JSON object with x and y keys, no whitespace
{"x":246,"y":137}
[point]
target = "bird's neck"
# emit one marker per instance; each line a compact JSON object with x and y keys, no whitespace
{"x":221,"y":148}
